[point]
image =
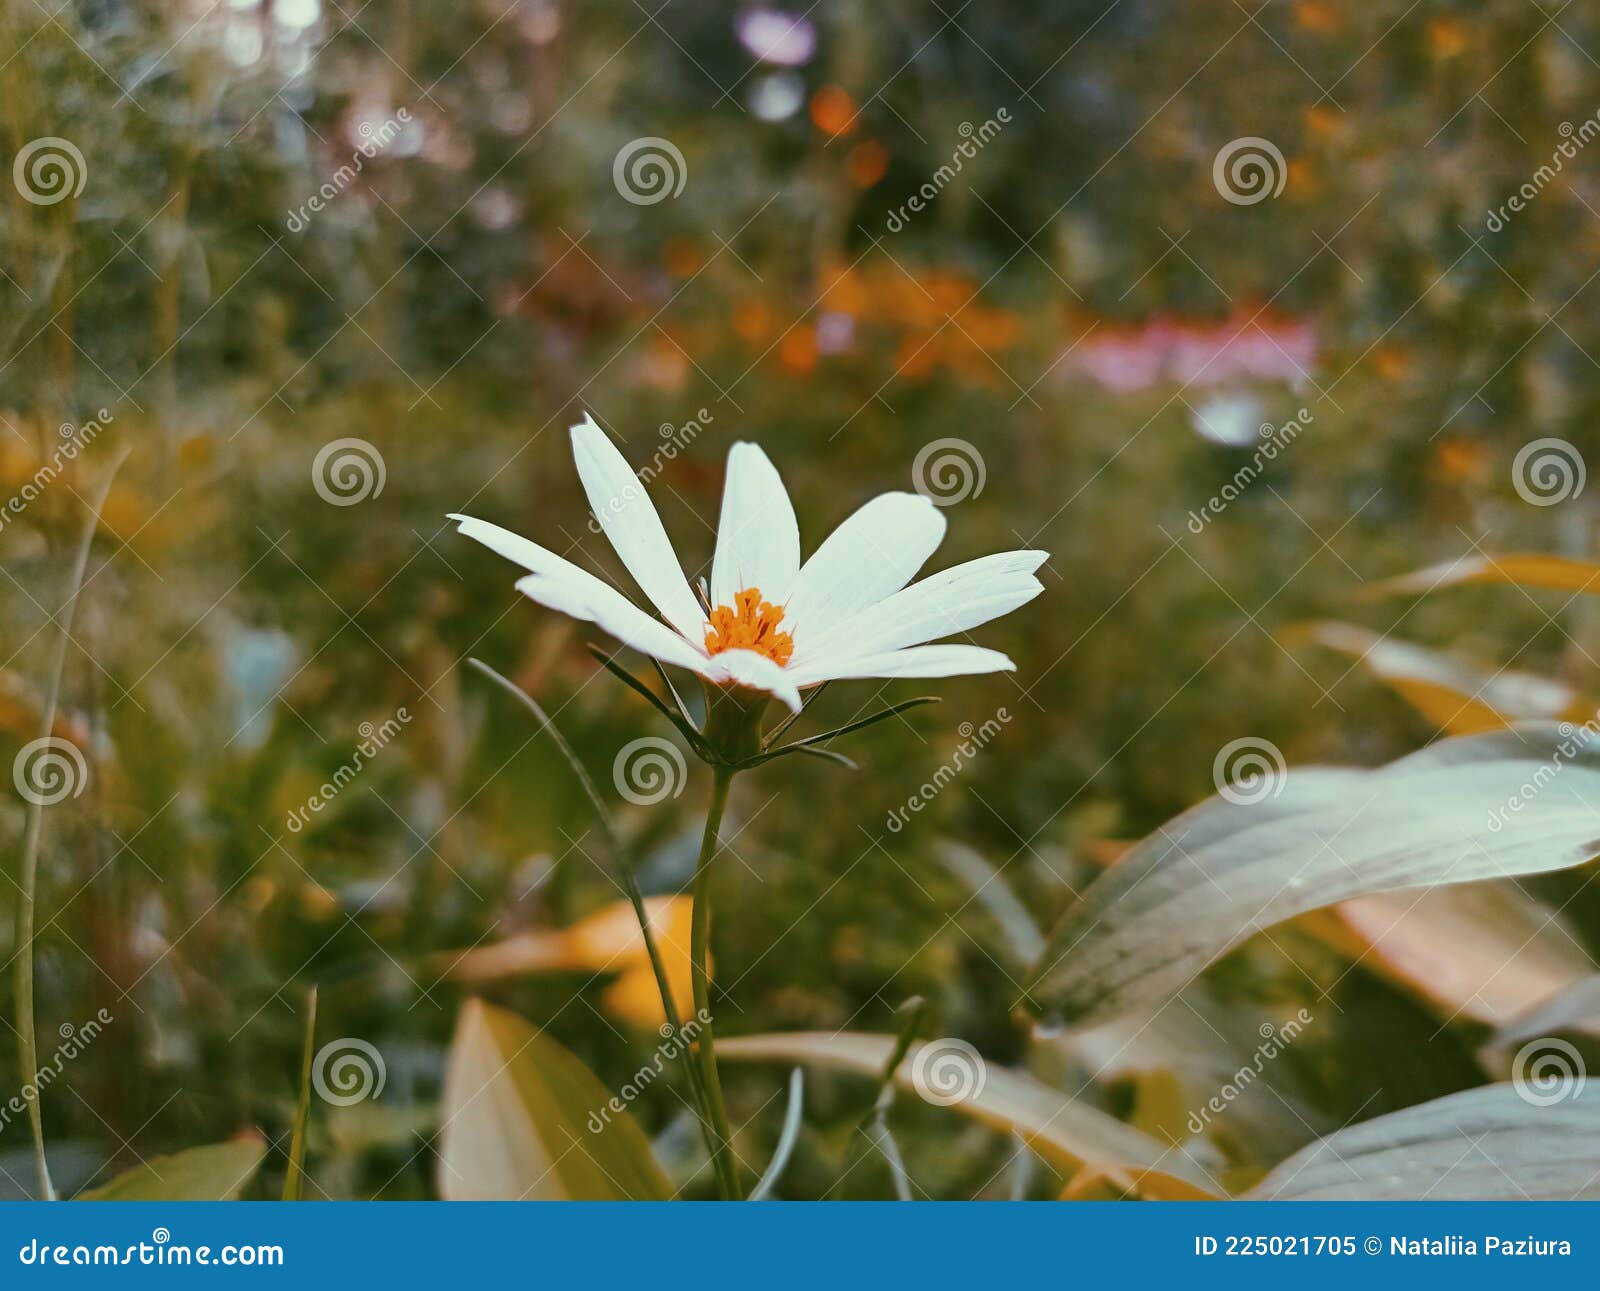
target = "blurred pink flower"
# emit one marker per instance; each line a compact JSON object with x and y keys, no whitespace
{"x":1251,"y":343}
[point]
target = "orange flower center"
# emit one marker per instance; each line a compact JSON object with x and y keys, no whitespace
{"x":752,"y":624}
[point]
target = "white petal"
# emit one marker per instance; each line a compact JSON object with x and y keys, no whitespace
{"x":513,"y":546}
{"x":758,"y":541}
{"x":609,"y":609}
{"x":874,"y":553}
{"x":629,"y":519}
{"x":748,"y":668}
{"x":562,"y":586}
{"x":953,"y":600}
{"x":919,"y":661}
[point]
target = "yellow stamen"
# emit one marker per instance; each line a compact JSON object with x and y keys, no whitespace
{"x":752,"y":624}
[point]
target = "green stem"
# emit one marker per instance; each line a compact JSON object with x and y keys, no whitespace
{"x":28,"y":1046}
{"x":623,"y":864}
{"x":699,"y":946}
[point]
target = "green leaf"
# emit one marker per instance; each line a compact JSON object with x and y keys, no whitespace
{"x":811,"y":741}
{"x":1055,"y":1125}
{"x":1488,"y":1144}
{"x":521,"y":1116}
{"x":829,"y":755}
{"x":1497,"y":805}
{"x":217,"y":1172}
{"x":680,"y":719}
{"x":295,"y":1178}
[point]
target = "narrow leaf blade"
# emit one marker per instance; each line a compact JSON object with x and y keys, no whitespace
{"x":1520,"y":569}
{"x":295,"y":1177}
{"x":1454,"y":696}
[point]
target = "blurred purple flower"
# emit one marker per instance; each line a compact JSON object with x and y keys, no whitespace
{"x":788,"y":40}
{"x":835,"y":333}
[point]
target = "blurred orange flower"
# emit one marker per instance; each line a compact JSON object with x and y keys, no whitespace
{"x":798,"y":349}
{"x":1461,"y":460}
{"x":1316,"y":15}
{"x":833,"y":111}
{"x":606,"y":941}
{"x":1447,"y":36}
{"x":932,"y":313}
{"x":680,"y":257}
{"x":869,"y":161}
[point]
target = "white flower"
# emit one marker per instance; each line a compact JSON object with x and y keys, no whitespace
{"x":775,"y":625}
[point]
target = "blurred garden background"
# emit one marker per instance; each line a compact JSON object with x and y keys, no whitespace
{"x":849,"y":233}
